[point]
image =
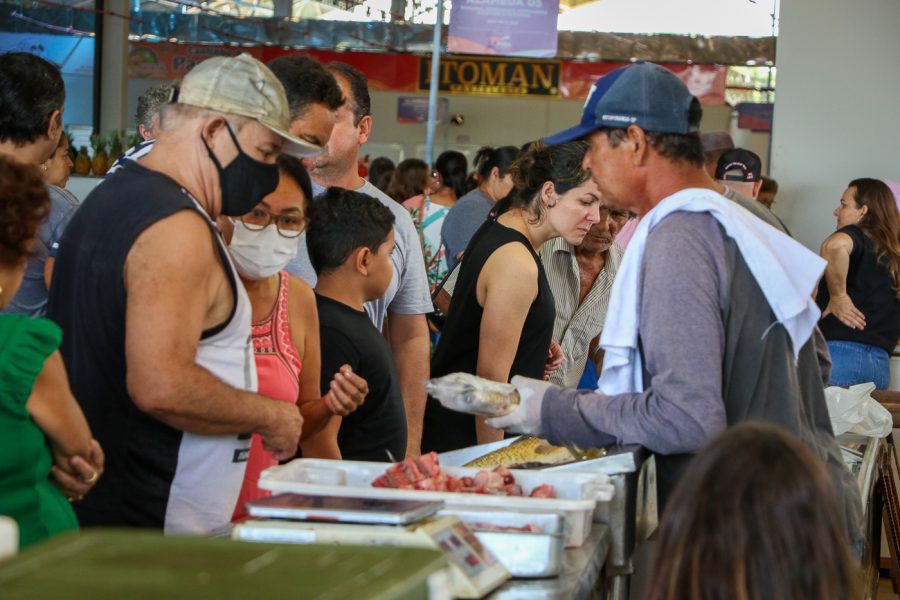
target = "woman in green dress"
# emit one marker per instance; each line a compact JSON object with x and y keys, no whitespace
{"x":47,"y":454}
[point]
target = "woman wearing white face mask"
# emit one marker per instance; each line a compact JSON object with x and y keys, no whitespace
{"x":285,"y":322}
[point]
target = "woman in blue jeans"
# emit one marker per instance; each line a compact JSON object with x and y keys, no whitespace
{"x":860,"y":292}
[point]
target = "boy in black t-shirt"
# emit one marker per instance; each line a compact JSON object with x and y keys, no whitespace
{"x":350,"y":239}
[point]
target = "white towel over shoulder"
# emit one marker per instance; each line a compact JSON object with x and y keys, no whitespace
{"x":785,"y":270}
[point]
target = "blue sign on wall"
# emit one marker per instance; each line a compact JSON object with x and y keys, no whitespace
{"x":414,"y":109}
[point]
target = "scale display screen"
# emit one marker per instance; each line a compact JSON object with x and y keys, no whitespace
{"x":461,"y":546}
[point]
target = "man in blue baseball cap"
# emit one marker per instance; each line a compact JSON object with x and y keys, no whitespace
{"x":711,"y":319}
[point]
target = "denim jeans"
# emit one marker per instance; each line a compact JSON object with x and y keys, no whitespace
{"x":854,"y":363}
{"x":589,"y":378}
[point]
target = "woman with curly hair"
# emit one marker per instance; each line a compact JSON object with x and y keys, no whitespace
{"x":860,"y":293}
{"x":43,"y":432}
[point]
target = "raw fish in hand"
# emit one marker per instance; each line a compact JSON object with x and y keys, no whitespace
{"x":468,"y":393}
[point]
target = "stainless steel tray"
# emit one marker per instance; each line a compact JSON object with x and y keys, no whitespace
{"x":618,"y":459}
{"x":524,"y":554}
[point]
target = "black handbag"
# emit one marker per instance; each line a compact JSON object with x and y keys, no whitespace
{"x":441,"y":296}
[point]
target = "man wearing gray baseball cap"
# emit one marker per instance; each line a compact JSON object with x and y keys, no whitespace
{"x":156,"y":321}
{"x":710,"y":321}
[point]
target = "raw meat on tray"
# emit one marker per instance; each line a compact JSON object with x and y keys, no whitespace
{"x":424,"y":473}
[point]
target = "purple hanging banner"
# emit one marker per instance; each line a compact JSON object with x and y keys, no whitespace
{"x":504,"y":27}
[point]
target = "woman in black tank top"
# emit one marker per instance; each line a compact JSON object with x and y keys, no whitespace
{"x":860,"y":292}
{"x":500,"y":322}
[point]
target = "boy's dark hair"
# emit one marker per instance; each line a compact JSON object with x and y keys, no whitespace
{"x":306,"y":82}
{"x":30,"y":90}
{"x":340,"y":221}
{"x":360,"y":101}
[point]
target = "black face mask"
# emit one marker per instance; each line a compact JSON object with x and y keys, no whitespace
{"x":244,"y":182}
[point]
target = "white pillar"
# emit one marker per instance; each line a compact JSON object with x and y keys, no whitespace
{"x":114,"y":67}
{"x":836,"y":107}
{"x":283,"y":8}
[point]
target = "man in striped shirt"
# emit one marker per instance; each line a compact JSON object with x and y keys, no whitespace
{"x":150,"y":104}
{"x":581,"y":278}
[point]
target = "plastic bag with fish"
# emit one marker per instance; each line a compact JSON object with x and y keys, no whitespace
{"x":468,"y":393}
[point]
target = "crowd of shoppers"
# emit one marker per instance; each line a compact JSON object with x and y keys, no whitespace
{"x":235,"y":294}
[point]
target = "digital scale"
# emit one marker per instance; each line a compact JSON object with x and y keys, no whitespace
{"x":372,"y":522}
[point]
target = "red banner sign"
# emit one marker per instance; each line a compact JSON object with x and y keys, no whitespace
{"x":397,"y":72}
{"x":400,"y":72}
{"x":167,"y":62}
{"x":707,"y":82}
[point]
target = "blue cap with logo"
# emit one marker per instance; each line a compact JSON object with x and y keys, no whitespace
{"x":643,"y":94}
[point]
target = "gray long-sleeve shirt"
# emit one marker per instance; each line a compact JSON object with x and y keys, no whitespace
{"x":712,"y":356}
{"x":684,"y":291}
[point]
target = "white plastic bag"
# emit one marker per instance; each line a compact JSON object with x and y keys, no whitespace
{"x":854,"y":410}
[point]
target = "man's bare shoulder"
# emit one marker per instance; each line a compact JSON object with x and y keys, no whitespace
{"x":181,"y":244}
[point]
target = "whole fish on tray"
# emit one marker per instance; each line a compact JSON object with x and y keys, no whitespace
{"x":524,"y":453}
{"x":529,"y":452}
{"x":468,"y":393}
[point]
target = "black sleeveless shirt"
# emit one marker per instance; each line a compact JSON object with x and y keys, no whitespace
{"x":457,"y":349}
{"x":870,"y":288}
{"x":88,"y":301}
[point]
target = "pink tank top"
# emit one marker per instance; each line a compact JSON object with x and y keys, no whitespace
{"x":278,"y":370}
